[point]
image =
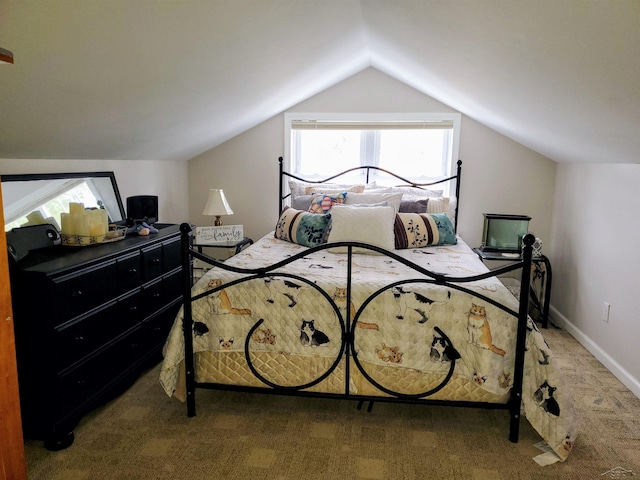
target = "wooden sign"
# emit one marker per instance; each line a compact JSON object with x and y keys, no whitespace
{"x":224,"y":234}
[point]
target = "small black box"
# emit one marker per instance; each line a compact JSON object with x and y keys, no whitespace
{"x":21,"y":240}
{"x":143,"y":207}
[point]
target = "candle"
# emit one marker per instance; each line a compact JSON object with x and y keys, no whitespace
{"x":75,"y":207}
{"x":65,"y":221}
{"x":35,"y":218}
{"x":83,"y":231}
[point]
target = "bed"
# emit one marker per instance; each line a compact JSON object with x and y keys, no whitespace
{"x":372,"y":296}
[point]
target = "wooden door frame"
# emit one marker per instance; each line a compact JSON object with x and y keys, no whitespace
{"x":12,"y":457}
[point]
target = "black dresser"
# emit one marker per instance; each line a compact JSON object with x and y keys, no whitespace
{"x":89,"y":321}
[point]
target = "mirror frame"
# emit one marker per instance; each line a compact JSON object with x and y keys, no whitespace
{"x":26,"y":177}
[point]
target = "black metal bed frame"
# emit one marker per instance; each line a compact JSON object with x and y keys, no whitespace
{"x":348,"y":326}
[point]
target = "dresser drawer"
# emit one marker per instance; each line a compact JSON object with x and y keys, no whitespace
{"x":152,"y":297}
{"x":172,"y":286}
{"x":171,"y":254}
{"x":81,"y":291}
{"x":82,"y":337}
{"x":131,"y":307}
{"x":151,"y":263}
{"x":91,"y":378}
{"x":129,"y":272}
{"x":156,"y":330}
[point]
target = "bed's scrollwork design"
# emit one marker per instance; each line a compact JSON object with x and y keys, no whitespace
{"x":349,"y":322}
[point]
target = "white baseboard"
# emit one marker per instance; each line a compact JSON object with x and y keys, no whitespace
{"x":614,"y":367}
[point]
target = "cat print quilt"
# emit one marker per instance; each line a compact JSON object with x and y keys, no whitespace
{"x":426,"y":333}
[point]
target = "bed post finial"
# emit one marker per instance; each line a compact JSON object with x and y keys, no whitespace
{"x":458,"y":177}
{"x":281,"y":192}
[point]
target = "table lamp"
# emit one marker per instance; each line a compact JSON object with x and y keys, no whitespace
{"x":217,"y":205}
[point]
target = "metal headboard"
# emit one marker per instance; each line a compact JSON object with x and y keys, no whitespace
{"x":407,"y":183}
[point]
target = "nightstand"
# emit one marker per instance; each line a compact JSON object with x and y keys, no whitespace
{"x":236,"y":246}
{"x":541,"y":276}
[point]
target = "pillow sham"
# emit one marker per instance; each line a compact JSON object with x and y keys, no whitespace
{"x":392,"y":199}
{"x":302,"y":202}
{"x":417,"y":230}
{"x":298,"y":188}
{"x":329,"y":191}
{"x":414,"y":204}
{"x":323,"y":203}
{"x":372,"y":225}
{"x":303,"y":228}
{"x":438,"y":205}
{"x":420,"y":192}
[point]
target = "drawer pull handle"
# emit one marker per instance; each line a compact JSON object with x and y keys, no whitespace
{"x":79,"y":338}
{"x":133,"y":309}
{"x":156,"y":295}
{"x":77,"y":293}
{"x":155,"y":260}
{"x":133,"y":271}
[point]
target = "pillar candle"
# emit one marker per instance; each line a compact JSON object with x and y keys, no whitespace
{"x":75,"y":207}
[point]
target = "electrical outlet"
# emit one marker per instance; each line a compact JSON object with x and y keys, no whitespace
{"x":605,"y":311}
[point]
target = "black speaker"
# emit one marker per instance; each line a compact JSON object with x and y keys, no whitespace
{"x":143,"y":207}
{"x":20,"y":241}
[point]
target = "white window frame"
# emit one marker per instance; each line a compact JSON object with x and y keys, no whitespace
{"x":290,"y":117}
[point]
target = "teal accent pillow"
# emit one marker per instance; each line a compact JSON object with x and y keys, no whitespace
{"x":445,"y":229}
{"x":303,"y":228}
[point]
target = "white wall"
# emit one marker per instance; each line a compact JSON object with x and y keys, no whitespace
{"x":595,"y":247}
{"x":167,"y":180}
{"x":499,"y":175}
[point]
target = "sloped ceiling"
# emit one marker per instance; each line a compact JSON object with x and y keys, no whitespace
{"x":169,"y":79}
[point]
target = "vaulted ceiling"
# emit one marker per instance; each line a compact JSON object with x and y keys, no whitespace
{"x":170,"y":79}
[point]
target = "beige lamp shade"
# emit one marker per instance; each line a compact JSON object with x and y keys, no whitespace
{"x":217,"y":205}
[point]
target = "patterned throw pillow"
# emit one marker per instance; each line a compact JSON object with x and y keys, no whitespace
{"x":303,"y":228}
{"x":322,"y":203}
{"x":417,"y":230}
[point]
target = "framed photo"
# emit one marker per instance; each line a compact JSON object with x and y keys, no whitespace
{"x":224,"y":234}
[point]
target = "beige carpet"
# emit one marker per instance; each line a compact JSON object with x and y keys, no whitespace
{"x":146,"y":435}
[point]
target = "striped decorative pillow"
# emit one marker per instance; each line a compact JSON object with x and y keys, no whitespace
{"x":417,"y":230}
{"x":303,"y":228}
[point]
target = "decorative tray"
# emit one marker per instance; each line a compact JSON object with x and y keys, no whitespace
{"x":112,"y":235}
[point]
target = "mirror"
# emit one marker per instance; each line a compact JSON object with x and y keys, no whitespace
{"x":41,"y":198}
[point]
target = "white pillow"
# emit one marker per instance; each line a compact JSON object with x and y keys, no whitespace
{"x":299,"y":188}
{"x":418,"y":191}
{"x":392,"y":199}
{"x":378,"y":190}
{"x":438,"y":205}
{"x":331,"y":191}
{"x":373,"y":225}
{"x":443,"y":205}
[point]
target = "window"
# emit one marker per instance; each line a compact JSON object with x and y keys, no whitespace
{"x":419,"y":147}
{"x":50,"y":201}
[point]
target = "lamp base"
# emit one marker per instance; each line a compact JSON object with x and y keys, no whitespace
{"x":217,"y":222}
